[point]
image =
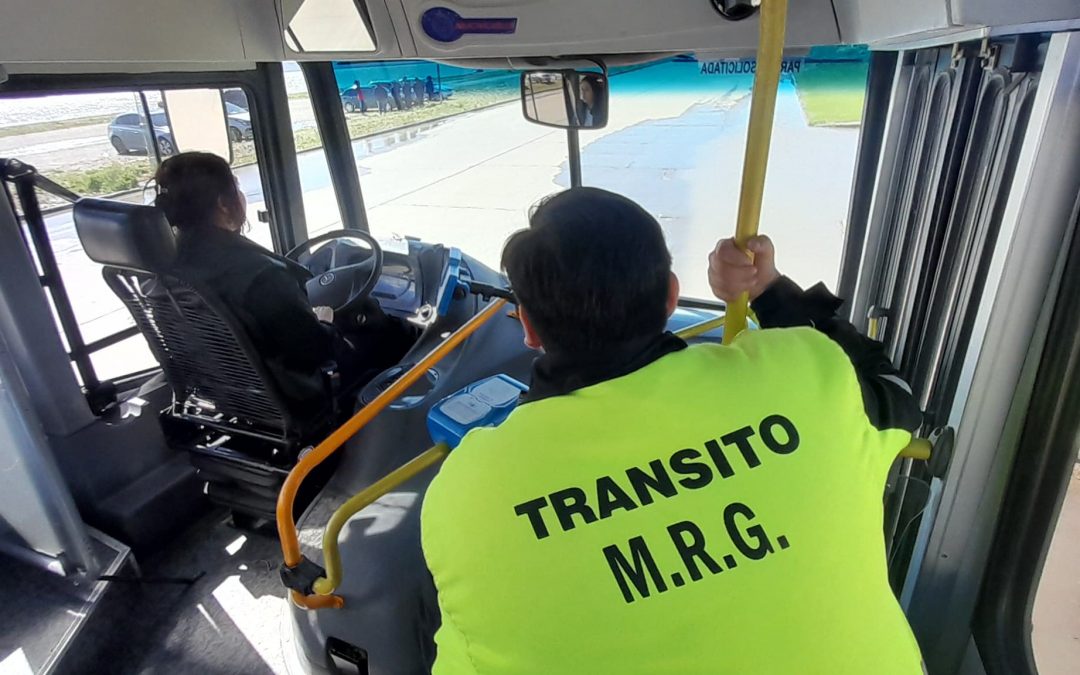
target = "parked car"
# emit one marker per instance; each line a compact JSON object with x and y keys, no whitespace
{"x":237,"y":97}
{"x":128,"y":135}
{"x":240,"y":128}
{"x":351,"y":101}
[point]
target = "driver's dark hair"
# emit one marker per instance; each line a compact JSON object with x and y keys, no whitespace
{"x":591,"y":271}
{"x":597,"y":84}
{"x":192,"y":185}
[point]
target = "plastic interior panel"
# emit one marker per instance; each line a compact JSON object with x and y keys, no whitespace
{"x":1012,"y":12}
{"x":486,"y":403}
{"x":571,"y":27}
{"x":58,"y":31}
{"x":451,"y":281}
{"x":383,"y":540}
{"x":862,"y":21}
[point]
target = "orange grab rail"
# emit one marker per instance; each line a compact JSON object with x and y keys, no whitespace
{"x":290,"y":543}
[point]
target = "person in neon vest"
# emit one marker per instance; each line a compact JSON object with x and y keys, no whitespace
{"x":653,"y":507}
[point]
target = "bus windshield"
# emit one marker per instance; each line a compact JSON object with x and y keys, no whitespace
{"x":445,"y":155}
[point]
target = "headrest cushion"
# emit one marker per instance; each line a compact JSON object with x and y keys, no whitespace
{"x":129,"y":236}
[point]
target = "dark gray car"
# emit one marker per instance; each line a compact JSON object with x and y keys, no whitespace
{"x":129,"y":135}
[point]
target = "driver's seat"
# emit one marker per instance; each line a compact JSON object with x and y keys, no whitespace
{"x":227,"y":409}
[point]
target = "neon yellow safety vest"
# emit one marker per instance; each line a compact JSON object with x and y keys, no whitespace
{"x":717,"y":511}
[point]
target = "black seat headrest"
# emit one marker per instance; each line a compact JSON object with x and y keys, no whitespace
{"x":129,"y":236}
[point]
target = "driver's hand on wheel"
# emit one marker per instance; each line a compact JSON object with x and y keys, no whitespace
{"x":732,"y":271}
{"x":324,"y":314}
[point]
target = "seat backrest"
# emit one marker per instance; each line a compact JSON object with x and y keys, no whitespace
{"x":208,"y":360}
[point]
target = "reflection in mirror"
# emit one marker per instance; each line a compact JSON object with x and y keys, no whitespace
{"x":197,"y":122}
{"x":566,"y":99}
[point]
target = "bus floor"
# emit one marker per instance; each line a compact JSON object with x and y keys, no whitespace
{"x":227,"y":621}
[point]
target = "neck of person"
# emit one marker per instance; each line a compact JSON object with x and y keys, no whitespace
{"x":560,"y":372}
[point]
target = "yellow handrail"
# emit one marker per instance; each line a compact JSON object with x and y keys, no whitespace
{"x":331,"y":556}
{"x":919,"y":448}
{"x":770,"y":55}
{"x":290,"y":543}
{"x":694,"y":330}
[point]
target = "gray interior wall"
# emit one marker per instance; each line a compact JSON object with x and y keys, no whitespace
{"x":880,"y":22}
{"x":36,"y":510}
{"x":29,"y":330}
{"x":862,"y":21}
{"x":1006,"y":346}
{"x":1012,"y":12}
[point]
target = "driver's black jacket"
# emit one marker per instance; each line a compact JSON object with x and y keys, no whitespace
{"x":266,"y":293}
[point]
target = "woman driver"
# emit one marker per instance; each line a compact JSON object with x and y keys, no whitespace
{"x":265,"y":292}
{"x":593,"y":111}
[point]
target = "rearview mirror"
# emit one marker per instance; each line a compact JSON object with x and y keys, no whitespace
{"x":565,"y":99}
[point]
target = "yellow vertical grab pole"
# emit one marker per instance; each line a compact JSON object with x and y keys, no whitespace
{"x":770,"y":55}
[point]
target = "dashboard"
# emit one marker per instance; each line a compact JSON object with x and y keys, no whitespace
{"x":399,"y":289}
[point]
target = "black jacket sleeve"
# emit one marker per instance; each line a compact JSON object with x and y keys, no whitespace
{"x":887,"y":398}
{"x":286,"y":322}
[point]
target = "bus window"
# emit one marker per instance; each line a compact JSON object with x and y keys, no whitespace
{"x":675,"y":139}
{"x":108,"y":144}
{"x":427,"y":170}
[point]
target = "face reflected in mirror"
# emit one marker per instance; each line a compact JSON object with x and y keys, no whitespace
{"x":592,"y":112}
{"x":565,"y":99}
{"x":587,"y":96}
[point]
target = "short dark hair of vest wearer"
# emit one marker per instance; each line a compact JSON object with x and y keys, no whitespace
{"x":591,"y":271}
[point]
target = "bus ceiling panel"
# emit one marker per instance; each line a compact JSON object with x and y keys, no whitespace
{"x":888,"y":24}
{"x":874,"y":21}
{"x":136,"y":31}
{"x":74,"y":68}
{"x":456,"y":29}
{"x":1012,"y":12}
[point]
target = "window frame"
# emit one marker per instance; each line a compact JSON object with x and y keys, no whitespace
{"x":1037,"y":487}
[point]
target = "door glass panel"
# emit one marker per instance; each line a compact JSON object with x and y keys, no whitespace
{"x":1055,"y":618}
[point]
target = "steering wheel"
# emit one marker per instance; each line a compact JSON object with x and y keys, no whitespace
{"x":339,"y":267}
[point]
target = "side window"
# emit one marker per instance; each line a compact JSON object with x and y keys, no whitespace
{"x":97,"y":144}
{"x":675,"y":140}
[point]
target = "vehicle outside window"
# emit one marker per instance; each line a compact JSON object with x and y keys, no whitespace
{"x":445,"y":154}
{"x":98,"y":144}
